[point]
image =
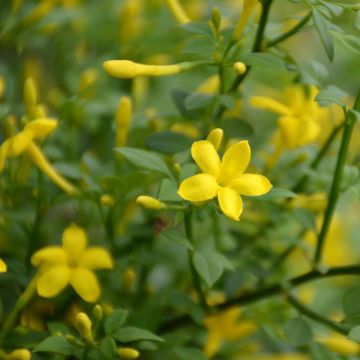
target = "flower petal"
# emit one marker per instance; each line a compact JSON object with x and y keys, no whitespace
{"x":85,"y":284}
{"x":235,"y":161}
{"x":17,"y":144}
{"x":200,"y":187}
{"x":3,"y":267}
{"x":53,"y":280}
{"x":41,"y":127}
{"x":272,"y":105}
{"x":206,"y":157}
{"x":74,"y":242}
{"x":251,"y":185}
{"x":230,"y":203}
{"x":96,"y":258}
{"x":50,"y":255}
{"x":215,"y":137}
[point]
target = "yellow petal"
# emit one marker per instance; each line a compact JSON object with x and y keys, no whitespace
{"x":251,"y":185}
{"x":96,"y":258}
{"x":290,"y":131}
{"x":74,"y":242}
{"x":177,"y":11}
{"x":53,"y":280}
{"x":200,"y":187}
{"x":51,"y":255}
{"x":206,"y":157}
{"x":41,"y":127}
{"x":265,"y":103}
{"x":3,"y":267}
{"x":85,"y":284}
{"x":212,"y":344}
{"x":235,"y":161}
{"x":17,"y":144}
{"x":230,"y":203}
{"x":215,"y":137}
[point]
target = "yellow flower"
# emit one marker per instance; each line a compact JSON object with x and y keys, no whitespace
{"x":3,"y":267}
{"x":224,"y":179}
{"x":225,"y":326}
{"x":247,"y":10}
{"x":24,"y":142}
{"x":178,"y":11}
{"x":299,"y":116}
{"x":128,"y":69}
{"x":123,"y":120}
{"x":340,"y":344}
{"x":73,"y":264}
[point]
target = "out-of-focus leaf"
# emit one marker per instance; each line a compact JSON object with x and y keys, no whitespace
{"x":350,"y":41}
{"x":198,"y":28}
{"x":354,"y":334}
{"x":357,"y":20}
{"x":176,"y":236}
{"x":168,"y":142}
{"x":179,"y":97}
{"x":322,"y":26}
{"x":277,"y":194}
{"x":55,"y":344}
{"x":184,"y":353}
{"x":351,"y":303}
{"x":129,"y":334}
{"x":331,"y":95}
{"x":265,"y":60}
{"x":115,"y":320}
{"x":298,"y":332}
{"x":108,"y":348}
{"x":198,"y":101}
{"x":236,"y":128}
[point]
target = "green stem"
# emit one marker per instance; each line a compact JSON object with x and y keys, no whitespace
{"x":290,"y":32}
{"x":21,"y":302}
{"x":315,"y":316}
{"x":190,"y":236}
{"x":337,"y":179}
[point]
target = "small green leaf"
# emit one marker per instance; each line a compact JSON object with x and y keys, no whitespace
{"x":351,"y":303}
{"x":331,"y":95}
{"x":354,"y":334}
{"x":184,"y":353}
{"x":322,"y":26}
{"x":349,"y":41}
{"x":176,"y":236}
{"x":236,"y":128}
{"x":197,"y":28}
{"x":168,"y":142}
{"x":129,"y":334}
{"x":210,"y":265}
{"x":115,"y":320}
{"x":179,"y":97}
{"x":168,"y":191}
{"x":55,"y":344}
{"x":298,"y":332}
{"x":108,"y":348}
{"x":198,"y":101}
{"x":357,"y":20}
{"x":265,"y":60}
{"x":145,"y":159}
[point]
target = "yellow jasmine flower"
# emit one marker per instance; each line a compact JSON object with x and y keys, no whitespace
{"x":3,"y":267}
{"x":223,"y":327}
{"x":224,"y":179}
{"x":340,"y":344}
{"x":73,"y":264}
{"x":178,"y":11}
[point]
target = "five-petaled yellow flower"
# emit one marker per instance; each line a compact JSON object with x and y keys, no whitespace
{"x":224,"y":179}
{"x":73,"y":263}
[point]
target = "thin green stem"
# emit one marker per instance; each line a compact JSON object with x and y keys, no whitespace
{"x":315,"y":316}
{"x":190,"y":236}
{"x":337,"y":179}
{"x":290,"y":32}
{"x":21,"y":302}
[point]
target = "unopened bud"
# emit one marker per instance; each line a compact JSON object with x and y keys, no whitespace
{"x":20,"y":354}
{"x":148,"y":202}
{"x":240,"y":68}
{"x":123,"y":119}
{"x":83,"y":326}
{"x":128,"y":279}
{"x":98,"y":312}
{"x":216,"y":18}
{"x":30,"y":93}
{"x":107,"y":200}
{"x":128,"y":353}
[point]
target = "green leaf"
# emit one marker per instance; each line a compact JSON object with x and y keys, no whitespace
{"x":354,"y":334}
{"x":108,"y":347}
{"x":129,"y":334}
{"x":115,"y":320}
{"x":330,"y":95}
{"x":184,"y":353}
{"x":145,"y":160}
{"x":351,"y":303}
{"x":357,"y":20}
{"x":55,"y":344}
{"x":277,"y":194}
{"x":322,"y":26}
{"x":298,"y":332}
{"x":197,"y":28}
{"x":168,"y":191}
{"x":56,"y":328}
{"x":266,"y":60}
{"x":314,"y":72}
{"x":198,"y":101}
{"x":210,"y":265}
{"x":168,"y":142}
{"x":179,"y":97}
{"x":236,"y":128}
{"x":176,"y":236}
{"x":349,"y":41}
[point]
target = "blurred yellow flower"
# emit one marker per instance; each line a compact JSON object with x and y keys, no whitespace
{"x":3,"y":267}
{"x":340,"y":344}
{"x":123,"y":120}
{"x":19,"y":354}
{"x":73,"y":264}
{"x":178,"y":11}
{"x":224,"y":179}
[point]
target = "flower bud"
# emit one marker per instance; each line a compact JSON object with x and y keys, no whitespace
{"x":83,"y":326}
{"x":20,"y":354}
{"x":3,"y":267}
{"x":178,"y":11}
{"x":148,"y":202}
{"x":215,"y":137}
{"x":30,"y":93}
{"x":128,"y":353}
{"x":122,"y":120}
{"x":128,"y":279}
{"x":107,"y":200}
{"x":240,"y":68}
{"x":216,"y":18}
{"x":248,"y":8}
{"x":98,"y":312}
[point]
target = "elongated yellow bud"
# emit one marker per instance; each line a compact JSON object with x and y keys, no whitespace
{"x":248,"y":8}
{"x":266,"y":103}
{"x":98,"y":312}
{"x":30,"y":93}
{"x":83,"y":326}
{"x":20,"y":354}
{"x":3,"y":267}
{"x":128,"y":353}
{"x":178,"y":11}
{"x":148,"y":202}
{"x":215,"y":137}
{"x":39,"y":11}
{"x":43,"y":164}
{"x":123,"y":119}
{"x":240,"y":67}
{"x":128,"y":69}
{"x":128,"y":279}
{"x":41,"y":127}
{"x":2,"y":87}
